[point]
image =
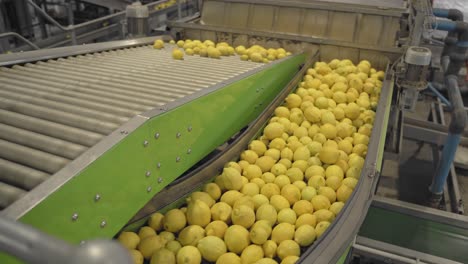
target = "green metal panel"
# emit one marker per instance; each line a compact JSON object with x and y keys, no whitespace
{"x":415,"y":233}
{"x":344,"y":257}
{"x":119,"y":177}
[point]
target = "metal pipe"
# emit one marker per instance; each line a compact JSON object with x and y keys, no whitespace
{"x":452,"y":14}
{"x":9,"y":194}
{"x":71,"y":21}
{"x":68,"y":133}
{"x":33,"y":246}
{"x":46,"y":16}
{"x":439,"y":95}
{"x":456,"y":128}
{"x":14,"y":34}
{"x":41,"y":142}
{"x":31,"y":157}
{"x":21,"y":176}
{"x":387,"y":255}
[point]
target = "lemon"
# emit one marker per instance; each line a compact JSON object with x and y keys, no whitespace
{"x":295,"y":174}
{"x":252,"y":171}
{"x":279,"y":202}
{"x":321,"y":103}
{"x":174,"y":246}
{"x":190,"y":235}
{"x":180,"y":43}
{"x":328,"y":118}
{"x":356,"y":161}
{"x":333,"y":182}
{"x":158,"y":44}
{"x":145,"y":232}
{"x":201,"y":196}
{"x":188,"y":255}
{"x":328,"y":155}
{"x":282,"y":111}
{"x":305,"y":235}
{"x":300,"y":185}
{"x":314,"y":170}
{"x":301,"y":153}
{"x":244,"y":57}
{"x":320,"y":202}
{"x":231,"y":179}
{"x":213,"y":190}
{"x":267,"y":212}
{"x":174,"y":220}
{"x":230,"y":258}
{"x":216,"y":228}
{"x":137,"y":257}
{"x":167,"y":236}
{"x":328,"y":130}
{"x":287,"y":215}
{"x":149,"y":245}
{"x":344,"y":129}
{"x":308,"y":192}
{"x":340,"y":97}
{"x":221,"y":211}
{"x":269,"y":248}
{"x":177,"y":54}
{"x":302,"y":207}
{"x":334,"y":170}
{"x":156,"y":221}
{"x":129,"y":240}
{"x":198,"y":213}
{"x":250,"y":189}
{"x":314,"y":161}
{"x":266,"y":261}
{"x":336,"y":207}
{"x":244,"y":200}
{"x":269,"y":190}
{"x":273,"y":130}
{"x":360,"y":139}
{"x":316,"y":181}
{"x":290,"y":260}
{"x":345,"y":146}
{"x":360,"y":149}
{"x":251,"y":254}
{"x":288,"y":248}
{"x":256,"y":57}
{"x":259,"y":200}
{"x":296,"y":117}
{"x":281,"y":180}
{"x":279,"y":144}
{"x":294,"y":145}
{"x":350,"y":182}
{"x":285,"y":162}
{"x":331,"y":144}
{"x":352,"y":111}
{"x":260,"y":232}
{"x":214,"y":53}
{"x":250,"y":156}
{"x":291,"y":193}
{"x":306,"y":219}
{"x":321,"y":228}
{"x":211,"y":248}
{"x":328,"y":192}
{"x":265,"y":163}
{"x":324,"y":215}
{"x":343,"y":193}
{"x":282,"y":232}
{"x":236,"y":238}
{"x":258,"y":147}
{"x":313,"y":114}
{"x":277,"y":169}
{"x":260,"y":183}
{"x":293,"y":101}
{"x":301,"y":132}
{"x":163,"y":255}
{"x":243,"y":216}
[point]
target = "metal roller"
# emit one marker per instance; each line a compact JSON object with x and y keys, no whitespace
{"x":31,"y":157}
{"x":64,"y":107}
{"x":90,"y":124}
{"x":68,"y":100}
{"x":72,"y":134}
{"x":81,"y":93}
{"x":20,"y":176}
{"x":40,"y":142}
{"x":9,"y":194}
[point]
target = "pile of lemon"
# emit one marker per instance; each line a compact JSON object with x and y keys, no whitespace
{"x":286,"y":188}
{"x":166,"y":4}
{"x":210,"y":49}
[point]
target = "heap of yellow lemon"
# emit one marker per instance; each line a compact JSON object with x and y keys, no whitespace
{"x":210,"y":49}
{"x":287,"y":187}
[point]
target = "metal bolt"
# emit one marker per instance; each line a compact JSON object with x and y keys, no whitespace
{"x":159,"y":165}
{"x":177,"y":159}
{"x":189,"y":128}
{"x":160,"y":179}
{"x":189,"y":151}
{"x":148,"y":173}
{"x":156,"y":136}
{"x":103,"y":223}
{"x":97,"y":197}
{"x":149,"y":189}
{"x":178,"y":135}
{"x":74,"y":217}
{"x":145,"y":143}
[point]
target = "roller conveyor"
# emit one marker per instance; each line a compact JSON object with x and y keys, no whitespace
{"x":52,"y":111}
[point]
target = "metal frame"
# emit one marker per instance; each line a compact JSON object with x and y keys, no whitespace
{"x":386,"y":252}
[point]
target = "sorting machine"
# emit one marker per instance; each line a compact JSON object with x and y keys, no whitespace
{"x":94,"y":138}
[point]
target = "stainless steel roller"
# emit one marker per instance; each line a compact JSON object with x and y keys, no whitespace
{"x":52,"y":111}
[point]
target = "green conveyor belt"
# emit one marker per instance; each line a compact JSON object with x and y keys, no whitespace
{"x":416,"y":233}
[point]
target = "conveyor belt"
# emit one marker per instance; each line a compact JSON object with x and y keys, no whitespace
{"x":52,"y":112}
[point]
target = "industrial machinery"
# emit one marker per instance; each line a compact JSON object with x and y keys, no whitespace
{"x":95,"y":138}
